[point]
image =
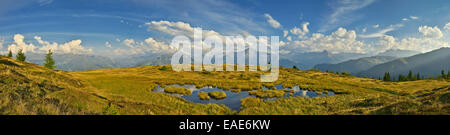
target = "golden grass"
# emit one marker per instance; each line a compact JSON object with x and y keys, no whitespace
{"x":217,"y":94}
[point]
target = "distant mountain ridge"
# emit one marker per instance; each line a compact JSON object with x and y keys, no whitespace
{"x":427,"y":64}
{"x":74,"y":62}
{"x":356,"y":65}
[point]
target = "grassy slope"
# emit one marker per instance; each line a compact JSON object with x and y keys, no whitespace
{"x":355,"y":95}
{"x":32,"y":89}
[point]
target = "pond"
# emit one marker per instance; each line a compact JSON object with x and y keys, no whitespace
{"x":233,"y":99}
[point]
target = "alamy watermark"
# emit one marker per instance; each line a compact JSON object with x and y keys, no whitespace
{"x":254,"y":51}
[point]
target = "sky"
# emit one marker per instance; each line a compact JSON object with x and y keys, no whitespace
{"x":140,"y":27}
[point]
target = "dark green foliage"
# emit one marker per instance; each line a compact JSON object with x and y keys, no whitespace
{"x":49,"y":62}
{"x":10,"y":54}
{"x":387,"y":77}
{"x":294,"y":67}
{"x":164,"y":68}
{"x":20,"y":55}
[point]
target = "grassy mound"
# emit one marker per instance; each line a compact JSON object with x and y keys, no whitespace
{"x":177,"y":90}
{"x":267,"y":93}
{"x":203,"y":95}
{"x":217,"y":94}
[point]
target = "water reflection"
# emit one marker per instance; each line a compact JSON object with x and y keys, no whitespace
{"x":233,"y":100}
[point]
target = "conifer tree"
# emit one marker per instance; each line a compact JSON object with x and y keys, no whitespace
{"x":20,"y":55}
{"x":10,"y":54}
{"x":49,"y":62}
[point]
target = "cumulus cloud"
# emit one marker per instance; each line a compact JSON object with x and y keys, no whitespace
{"x":300,"y":32}
{"x":178,"y":28}
{"x":1,"y":43}
{"x":342,"y":40}
{"x":447,"y":26}
{"x":405,"y":19}
{"x":429,"y":40}
{"x":107,"y":44}
{"x":71,"y":47}
{"x":274,"y":23}
{"x":19,"y":43}
{"x":149,"y":45}
{"x":430,"y":32}
{"x":285,"y":33}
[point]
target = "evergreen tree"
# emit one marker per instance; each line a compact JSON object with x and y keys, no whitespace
{"x":295,"y":67}
{"x":10,"y":54}
{"x":20,"y":55}
{"x":410,"y":76}
{"x":443,"y":74}
{"x":418,"y":76}
{"x":387,"y":77}
{"x":49,"y":62}
{"x":448,"y":75}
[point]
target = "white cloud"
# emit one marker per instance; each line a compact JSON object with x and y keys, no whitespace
{"x":1,"y":43}
{"x":342,"y":40}
{"x":71,"y":47}
{"x":376,"y":26}
{"x":149,"y":45}
{"x":429,"y":40}
{"x":405,"y":19}
{"x":343,"y":13}
{"x":107,"y":44}
{"x":447,"y":26}
{"x":285,"y":33}
{"x":430,"y":32}
{"x":300,"y":32}
{"x":19,"y":43}
{"x":274,"y":23}
{"x":414,"y":17}
{"x":178,"y":28}
{"x":364,"y":30}
{"x":381,"y":32}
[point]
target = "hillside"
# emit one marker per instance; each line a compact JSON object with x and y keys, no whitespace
{"x":32,"y":89}
{"x":427,"y":64}
{"x":398,"y":53}
{"x":355,"y":66}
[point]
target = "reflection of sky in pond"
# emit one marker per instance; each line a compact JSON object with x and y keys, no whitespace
{"x":233,"y":100}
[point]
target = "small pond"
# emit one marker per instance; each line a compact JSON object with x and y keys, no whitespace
{"x":233,"y":99}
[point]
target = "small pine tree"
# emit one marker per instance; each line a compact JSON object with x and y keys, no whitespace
{"x":448,"y":75}
{"x":10,"y":54}
{"x":20,"y":55}
{"x":443,"y":74}
{"x":295,"y":67}
{"x":410,"y":76}
{"x":387,"y":77}
{"x":418,"y":76}
{"x":49,"y":62}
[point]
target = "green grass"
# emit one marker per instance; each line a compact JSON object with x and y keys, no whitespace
{"x":217,"y":94}
{"x":27,"y":88}
{"x":267,"y":93}
{"x":177,"y":90}
{"x":203,"y":95}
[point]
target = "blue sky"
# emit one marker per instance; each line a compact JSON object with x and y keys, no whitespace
{"x":117,"y":27}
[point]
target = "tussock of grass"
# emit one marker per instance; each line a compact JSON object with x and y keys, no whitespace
{"x":203,"y":95}
{"x":177,"y":90}
{"x":267,"y":93}
{"x":217,"y":94}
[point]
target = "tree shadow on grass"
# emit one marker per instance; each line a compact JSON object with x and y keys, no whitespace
{"x":7,"y":62}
